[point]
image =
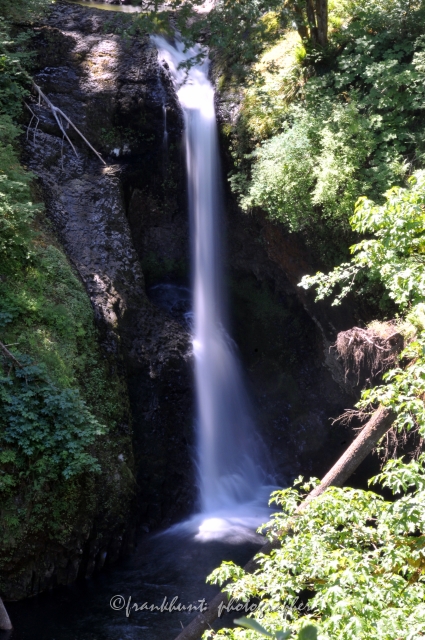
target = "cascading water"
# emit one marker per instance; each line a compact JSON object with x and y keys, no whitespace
{"x":165,"y":136}
{"x":230,"y":460}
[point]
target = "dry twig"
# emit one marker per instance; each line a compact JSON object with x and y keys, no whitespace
{"x":10,"y":355}
{"x":33,"y":116}
{"x":58,"y":114}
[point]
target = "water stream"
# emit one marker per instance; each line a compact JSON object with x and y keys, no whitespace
{"x":160,"y":568}
{"x":230,"y":455}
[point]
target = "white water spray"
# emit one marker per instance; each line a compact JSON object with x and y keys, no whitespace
{"x":230,"y":459}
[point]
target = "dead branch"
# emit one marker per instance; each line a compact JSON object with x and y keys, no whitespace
{"x":33,"y":116}
{"x":368,"y":438}
{"x":349,"y":415}
{"x":10,"y":355}
{"x":374,"y":430}
{"x":396,"y":439}
{"x":58,"y":114}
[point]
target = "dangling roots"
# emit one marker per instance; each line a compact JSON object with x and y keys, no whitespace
{"x":364,"y":353}
{"x":395,"y":439}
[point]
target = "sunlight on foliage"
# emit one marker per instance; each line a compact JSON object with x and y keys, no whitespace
{"x":356,"y":113}
{"x":353,"y":564}
{"x":279,"y":76}
{"x":395,"y":253}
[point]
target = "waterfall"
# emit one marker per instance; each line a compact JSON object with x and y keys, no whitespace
{"x":230,"y":458}
{"x":165,"y":135}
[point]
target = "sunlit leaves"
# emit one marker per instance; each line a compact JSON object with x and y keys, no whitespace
{"x":352,"y":563}
{"x":395,"y":253}
{"x":356,"y":124}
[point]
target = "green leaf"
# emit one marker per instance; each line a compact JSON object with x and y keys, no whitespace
{"x":250,"y":623}
{"x":282,"y":635}
{"x":309,"y":632}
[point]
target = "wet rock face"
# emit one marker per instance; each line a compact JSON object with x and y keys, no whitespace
{"x":116,"y":93}
{"x":283,"y":350}
{"x":112,"y":87}
{"x":125,"y":104}
{"x":284,"y":337}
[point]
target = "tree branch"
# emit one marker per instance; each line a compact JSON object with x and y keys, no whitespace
{"x":32,"y":118}
{"x":10,"y":355}
{"x":58,"y":114}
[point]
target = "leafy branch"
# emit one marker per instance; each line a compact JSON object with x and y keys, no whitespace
{"x":309,"y":632}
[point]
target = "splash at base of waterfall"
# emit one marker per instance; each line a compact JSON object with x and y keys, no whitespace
{"x":233,"y":525}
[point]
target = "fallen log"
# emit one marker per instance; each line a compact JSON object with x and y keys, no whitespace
{"x":369,"y":436}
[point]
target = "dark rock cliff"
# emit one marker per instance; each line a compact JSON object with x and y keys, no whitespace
{"x":115,"y":91}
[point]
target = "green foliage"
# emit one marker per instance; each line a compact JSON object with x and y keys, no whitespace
{"x":310,"y":172}
{"x":309,"y":632}
{"x":16,"y":208}
{"x":318,"y":128}
{"x":24,"y":10}
{"x":404,"y":389}
{"x":392,"y":16}
{"x":46,"y":414}
{"x":51,"y":428}
{"x":15,"y":55}
{"x":57,"y":409}
{"x":394,"y":253}
{"x":283,"y":176}
{"x":252,"y":24}
{"x":353,"y":564}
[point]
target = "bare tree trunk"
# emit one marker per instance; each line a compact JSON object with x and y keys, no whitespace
{"x":299,"y":21}
{"x":5,"y":624}
{"x":311,"y":17}
{"x":322,"y":22}
{"x":372,"y":432}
